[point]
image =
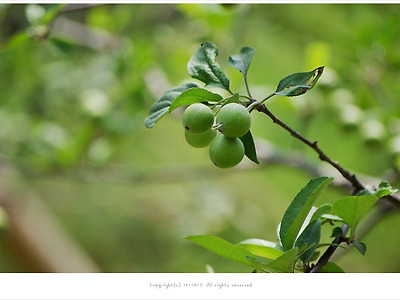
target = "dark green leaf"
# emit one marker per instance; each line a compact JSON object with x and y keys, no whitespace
{"x":194,"y":95}
{"x":249,"y":147}
{"x":322,"y":210}
{"x":310,"y":236}
{"x":242,"y":61}
{"x":223,"y":248}
{"x":232,"y":99}
{"x":283,"y":264}
{"x":315,"y":256}
{"x":52,"y":11}
{"x":337,"y":231}
{"x":298,"y":83}
{"x":62,"y":44}
{"x":383,"y":190}
{"x":352,"y":208}
{"x":361,"y":247}
{"x":262,"y":248}
{"x":331,"y":267}
{"x":161,"y":106}
{"x":298,"y":210}
{"x":204,"y":67}
{"x":17,"y":40}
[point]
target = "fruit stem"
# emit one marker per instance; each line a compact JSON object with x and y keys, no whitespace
{"x":217,"y":126}
{"x":256,"y":103}
{"x":247,"y":85}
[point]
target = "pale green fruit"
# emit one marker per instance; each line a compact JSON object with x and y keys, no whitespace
{"x":233,"y":120}
{"x":226,"y":152}
{"x":198,"y":118}
{"x":200,"y":140}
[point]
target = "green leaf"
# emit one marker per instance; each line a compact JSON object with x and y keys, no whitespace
{"x":242,"y":61}
{"x":232,"y":99}
{"x":194,"y":95}
{"x":161,"y":106}
{"x":298,"y":83}
{"x":63,"y":45}
{"x":223,"y":248}
{"x":52,"y":11}
{"x":310,"y":236}
{"x":361,"y":247}
{"x":249,"y":147}
{"x":204,"y":67}
{"x":352,"y":208}
{"x":314,"y":256}
{"x":383,"y":190}
{"x":337,"y":231}
{"x":17,"y":40}
{"x":322,"y":210}
{"x":331,"y":217}
{"x":262,"y":248}
{"x":298,"y":210}
{"x":283,"y":264}
{"x":331,"y":267}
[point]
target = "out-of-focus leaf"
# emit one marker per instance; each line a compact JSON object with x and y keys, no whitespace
{"x":19,"y":39}
{"x":38,"y":14}
{"x":62,"y":44}
{"x":4,"y":221}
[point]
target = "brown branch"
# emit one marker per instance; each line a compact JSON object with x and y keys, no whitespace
{"x":357,"y":185}
{"x":329,"y":252}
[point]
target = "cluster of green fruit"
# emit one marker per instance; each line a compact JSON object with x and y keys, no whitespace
{"x":232,"y":120}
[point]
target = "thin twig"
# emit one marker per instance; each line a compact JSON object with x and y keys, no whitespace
{"x":329,"y":252}
{"x":357,"y":185}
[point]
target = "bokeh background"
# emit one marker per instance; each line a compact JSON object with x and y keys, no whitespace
{"x":85,"y":187}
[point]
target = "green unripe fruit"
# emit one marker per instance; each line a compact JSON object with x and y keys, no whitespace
{"x":200,"y":140}
{"x":234,"y":120}
{"x":226,"y":152}
{"x":198,"y":118}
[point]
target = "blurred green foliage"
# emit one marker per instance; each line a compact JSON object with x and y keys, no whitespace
{"x":77,"y":84}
